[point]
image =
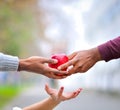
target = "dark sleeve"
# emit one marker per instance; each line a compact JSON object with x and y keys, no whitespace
{"x":110,"y":50}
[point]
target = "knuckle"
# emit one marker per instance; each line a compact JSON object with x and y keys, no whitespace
{"x":83,"y":70}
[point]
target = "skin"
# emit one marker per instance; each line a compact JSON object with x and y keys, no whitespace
{"x":81,"y":61}
{"x":40,"y":65}
{"x":56,"y":96}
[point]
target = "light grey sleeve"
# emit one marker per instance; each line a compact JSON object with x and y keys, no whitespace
{"x":8,"y":63}
{"x":16,"y":108}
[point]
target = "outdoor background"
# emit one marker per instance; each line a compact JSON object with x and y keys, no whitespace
{"x":45,"y":27}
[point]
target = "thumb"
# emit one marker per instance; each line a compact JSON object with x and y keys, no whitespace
{"x":71,"y":56}
{"x":50,"y":61}
{"x":53,"y":61}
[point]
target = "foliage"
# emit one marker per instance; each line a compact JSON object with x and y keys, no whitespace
{"x":7,"y":93}
{"x":15,"y":29}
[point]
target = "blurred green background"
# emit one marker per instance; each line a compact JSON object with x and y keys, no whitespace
{"x":15,"y":28}
{"x":17,"y":24}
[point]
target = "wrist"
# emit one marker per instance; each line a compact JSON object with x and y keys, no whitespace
{"x":55,"y":100}
{"x":96,"y":54}
{"x":22,"y":65}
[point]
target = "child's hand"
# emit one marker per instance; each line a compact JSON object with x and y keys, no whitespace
{"x":59,"y":96}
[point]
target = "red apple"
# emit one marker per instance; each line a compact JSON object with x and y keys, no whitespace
{"x":62,"y":58}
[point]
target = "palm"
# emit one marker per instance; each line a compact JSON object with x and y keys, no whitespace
{"x":58,"y":95}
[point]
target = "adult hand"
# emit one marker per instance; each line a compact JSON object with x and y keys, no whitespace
{"x":40,"y":65}
{"x":58,"y":95}
{"x":81,"y":61}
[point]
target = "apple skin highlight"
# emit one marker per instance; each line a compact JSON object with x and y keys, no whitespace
{"x":61,"y":58}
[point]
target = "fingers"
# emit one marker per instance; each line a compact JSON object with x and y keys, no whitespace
{"x":72,"y":61}
{"x":72,"y":94}
{"x":47,"y":88}
{"x":60,"y":91}
{"x":51,"y":61}
{"x":59,"y":96}
{"x":76,"y":93}
{"x":66,"y":65}
{"x":74,"y":69}
{"x":55,"y":71}
{"x":72,"y":55}
{"x":55,"y":76}
{"x":77,"y":67}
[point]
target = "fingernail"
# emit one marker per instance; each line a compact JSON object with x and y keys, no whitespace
{"x":74,"y":92}
{"x":80,"y":89}
{"x":55,"y":61}
{"x":59,"y":68}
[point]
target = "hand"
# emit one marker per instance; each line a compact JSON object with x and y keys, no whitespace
{"x":58,"y":95}
{"x":40,"y":65}
{"x":81,"y":61}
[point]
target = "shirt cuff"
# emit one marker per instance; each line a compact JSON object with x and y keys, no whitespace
{"x":8,"y":63}
{"x":16,"y":108}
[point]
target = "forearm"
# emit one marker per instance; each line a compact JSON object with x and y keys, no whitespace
{"x":8,"y":63}
{"x":47,"y":104}
{"x":110,"y":50}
